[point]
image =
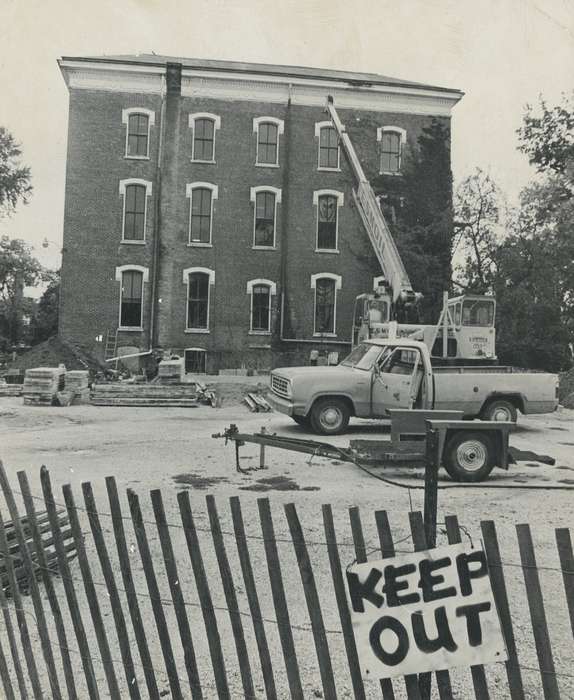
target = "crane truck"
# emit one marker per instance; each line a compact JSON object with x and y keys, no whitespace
{"x":465,"y":329}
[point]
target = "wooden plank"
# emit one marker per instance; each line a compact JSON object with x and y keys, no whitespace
{"x":131,"y":595}
{"x":34,"y":590}
{"x":176,"y":595}
{"x":64,"y":569}
{"x":279,"y":599}
{"x":115,"y":601}
{"x":13,"y":646}
{"x":431,"y":486}
{"x":496,"y":574}
{"x":537,"y":613}
{"x":564,"y":544}
{"x":253,"y":599}
{"x":342,"y":605}
{"x":21,"y":618}
{"x":204,"y":593}
{"x":312,"y":600}
{"x":91,"y":594}
{"x":442,"y":677}
{"x":153,"y":588}
{"x":5,"y":676}
{"x":477,"y":672}
{"x":230,"y":597}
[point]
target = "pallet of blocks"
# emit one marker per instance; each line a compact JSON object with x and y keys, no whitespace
{"x":77,"y":382}
{"x":42,"y":384}
{"x":10,"y":389}
{"x":150,"y":395}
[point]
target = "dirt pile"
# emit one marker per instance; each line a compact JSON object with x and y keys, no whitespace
{"x":566,"y":389}
{"x":53,"y":352}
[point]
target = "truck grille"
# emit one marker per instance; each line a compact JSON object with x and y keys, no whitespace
{"x":280,"y":385}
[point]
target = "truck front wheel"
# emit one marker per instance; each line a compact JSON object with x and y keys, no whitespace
{"x":500,"y":410}
{"x":469,"y":456}
{"x":301,"y":420}
{"x":330,"y":416}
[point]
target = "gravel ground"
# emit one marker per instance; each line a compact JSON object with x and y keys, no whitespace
{"x":171,"y":449}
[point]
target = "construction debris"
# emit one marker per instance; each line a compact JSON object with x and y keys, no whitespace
{"x":256,"y":403}
{"x":42,"y":384}
{"x":170,"y":371}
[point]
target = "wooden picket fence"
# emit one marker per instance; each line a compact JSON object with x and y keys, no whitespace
{"x":234,"y":624}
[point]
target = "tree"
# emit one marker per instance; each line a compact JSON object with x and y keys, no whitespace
{"x":14,"y":178}
{"x":45,"y":320}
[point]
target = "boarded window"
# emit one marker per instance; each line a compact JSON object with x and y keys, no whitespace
{"x":390,"y":152}
{"x":134,"y":213}
{"x":264,"y":219}
{"x":267,"y":143}
{"x":200,"y":224}
{"x":328,"y":148}
{"x":138,"y":131}
{"x":203,"y":139}
{"x":260,"y":307}
{"x":131,"y":299}
{"x":325,"y":305}
{"x":327,"y":222}
{"x":198,"y":301}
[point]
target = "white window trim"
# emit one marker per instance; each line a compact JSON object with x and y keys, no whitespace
{"x":189,"y":194}
{"x":119,"y":278}
{"x":216,"y":119}
{"x":272,"y":292}
{"x":340,"y":201}
{"x":148,"y":191}
{"x":338,"y":285}
{"x":126,"y":114}
{"x":403,"y":139}
{"x":280,"y":124}
{"x":185,"y":275}
{"x":253,"y":192}
{"x":318,"y":127}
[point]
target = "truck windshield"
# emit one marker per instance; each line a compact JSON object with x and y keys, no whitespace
{"x":363,"y":356}
{"x":478,"y":312}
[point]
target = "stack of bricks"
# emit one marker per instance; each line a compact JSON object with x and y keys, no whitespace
{"x":42,"y":384}
{"x":77,"y":382}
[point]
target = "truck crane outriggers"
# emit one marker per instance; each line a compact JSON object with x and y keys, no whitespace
{"x":465,"y":329}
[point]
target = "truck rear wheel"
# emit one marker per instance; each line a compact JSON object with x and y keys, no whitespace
{"x":500,"y":410}
{"x":469,"y":456}
{"x":330,"y":416}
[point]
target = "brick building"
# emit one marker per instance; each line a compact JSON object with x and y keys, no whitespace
{"x":209,"y":210}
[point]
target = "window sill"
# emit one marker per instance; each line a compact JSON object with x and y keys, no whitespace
{"x":131,"y":328}
{"x":391,"y":173}
{"x":197,"y":244}
{"x":259,"y":333}
{"x":329,"y":170}
{"x":136,"y":157}
{"x":205,"y":162}
{"x":263,"y":247}
{"x":328,"y":250}
{"x":324,"y":335}
{"x":126,"y":241}
{"x":267,"y":165}
{"x":196,"y":330}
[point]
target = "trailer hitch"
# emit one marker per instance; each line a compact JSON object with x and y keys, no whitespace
{"x":232,"y":433}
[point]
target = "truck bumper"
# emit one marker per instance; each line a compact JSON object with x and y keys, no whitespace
{"x":285,"y":406}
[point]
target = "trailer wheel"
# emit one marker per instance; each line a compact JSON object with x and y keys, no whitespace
{"x":500,"y":410}
{"x":330,"y":416}
{"x":469,"y":456}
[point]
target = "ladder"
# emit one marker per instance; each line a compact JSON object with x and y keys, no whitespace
{"x":373,"y":219}
{"x":111,"y":346}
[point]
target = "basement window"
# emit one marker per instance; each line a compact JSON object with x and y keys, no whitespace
{"x":195,"y":361}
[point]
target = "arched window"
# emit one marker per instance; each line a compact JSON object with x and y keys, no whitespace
{"x":265,"y":215}
{"x":138,"y":122}
{"x":199,"y":281}
{"x":268,"y":130}
{"x":201,"y":196}
{"x":329,"y":156}
{"x":391,"y":140}
{"x":204,"y":126}
{"x":327,"y":203}
{"x":135,"y":193}
{"x":325,"y":285}
{"x":261,"y":291}
{"x":131,"y":278}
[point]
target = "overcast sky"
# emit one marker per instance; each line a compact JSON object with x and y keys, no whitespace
{"x":501,"y":53}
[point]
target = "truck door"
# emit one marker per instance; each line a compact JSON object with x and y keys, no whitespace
{"x":396,"y":380}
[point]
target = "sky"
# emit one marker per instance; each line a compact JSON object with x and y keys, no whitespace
{"x":502,"y":53}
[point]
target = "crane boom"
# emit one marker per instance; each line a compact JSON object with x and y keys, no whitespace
{"x":373,"y":219}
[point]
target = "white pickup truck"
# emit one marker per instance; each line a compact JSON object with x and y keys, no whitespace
{"x":383,"y":374}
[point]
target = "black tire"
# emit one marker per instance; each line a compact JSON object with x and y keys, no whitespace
{"x":303,"y":421}
{"x":469,"y":456}
{"x":330,"y":416}
{"x":500,"y":410}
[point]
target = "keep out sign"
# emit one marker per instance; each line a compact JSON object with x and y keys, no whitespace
{"x":424,"y":611}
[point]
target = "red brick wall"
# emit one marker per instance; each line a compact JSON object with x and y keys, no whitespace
{"x":93,"y":213}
